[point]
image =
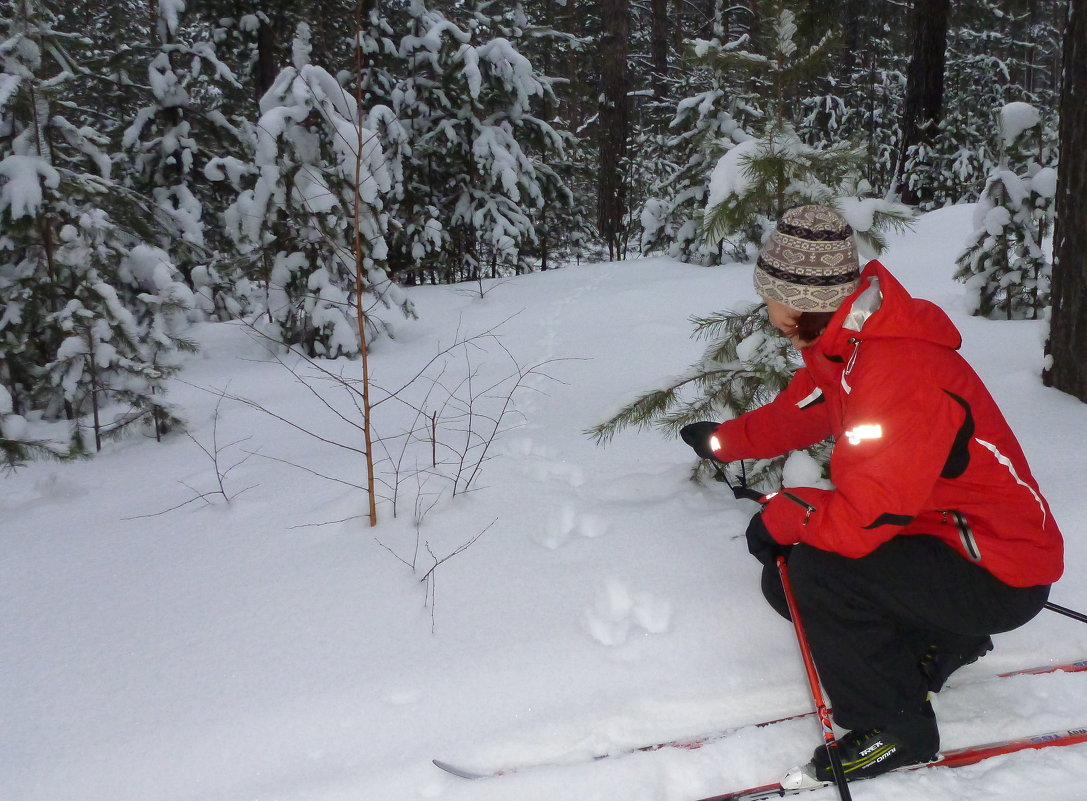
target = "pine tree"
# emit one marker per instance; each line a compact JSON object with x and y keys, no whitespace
{"x":997,"y":53}
{"x":704,"y":126}
{"x":759,"y":179}
{"x":924,"y":102}
{"x":576,"y":93}
{"x":168,"y":147}
{"x":1004,"y":266}
{"x":17,"y":444}
{"x":469,"y":155}
{"x":314,"y":160}
{"x":91,"y":327}
{"x":561,"y":224}
{"x":112,"y":60}
{"x":505,"y":175}
{"x":745,"y":364}
{"x":111,"y":366}
{"x":859,"y":99}
{"x":256,"y":38}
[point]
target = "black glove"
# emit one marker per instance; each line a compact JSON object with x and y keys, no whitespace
{"x":697,"y":435}
{"x":763,"y":546}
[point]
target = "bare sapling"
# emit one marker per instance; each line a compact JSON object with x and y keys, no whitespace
{"x":357,"y":240}
{"x":214,"y":451}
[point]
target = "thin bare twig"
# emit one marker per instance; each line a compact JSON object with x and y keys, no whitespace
{"x":459,"y":550}
{"x":213,"y":453}
{"x":430,"y":578}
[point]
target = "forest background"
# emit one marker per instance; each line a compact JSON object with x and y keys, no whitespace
{"x":293,"y":165}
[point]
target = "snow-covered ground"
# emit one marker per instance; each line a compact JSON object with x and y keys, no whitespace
{"x":277,"y":647}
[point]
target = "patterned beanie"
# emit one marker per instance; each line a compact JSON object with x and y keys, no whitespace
{"x":809,"y":263}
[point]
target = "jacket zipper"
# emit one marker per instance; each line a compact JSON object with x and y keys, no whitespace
{"x":809,"y":509}
{"x":856,"y":343}
{"x":966,"y":534}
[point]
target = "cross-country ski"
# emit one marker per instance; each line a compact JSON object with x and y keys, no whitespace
{"x":693,"y":743}
{"x":953,"y":758}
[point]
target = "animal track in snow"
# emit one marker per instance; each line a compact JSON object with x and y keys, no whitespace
{"x":540,"y":463}
{"x":617,"y":612}
{"x":591,"y":526}
{"x":543,"y":470}
{"x":566,"y":522}
{"x":526,"y":446}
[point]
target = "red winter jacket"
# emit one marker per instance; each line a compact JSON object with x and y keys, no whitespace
{"x":921,"y":447}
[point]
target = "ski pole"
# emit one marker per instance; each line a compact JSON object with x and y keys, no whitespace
{"x":813,"y":682}
{"x":1064,"y":610}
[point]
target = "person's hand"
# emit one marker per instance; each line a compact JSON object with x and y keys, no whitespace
{"x":698,"y":435}
{"x":761,"y":544}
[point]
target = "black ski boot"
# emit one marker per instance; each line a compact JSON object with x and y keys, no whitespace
{"x":938,"y":663}
{"x":909,"y":739}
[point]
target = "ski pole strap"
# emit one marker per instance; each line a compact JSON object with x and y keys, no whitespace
{"x":746,"y":492}
{"x":740,"y":490}
{"x":1063,"y":610}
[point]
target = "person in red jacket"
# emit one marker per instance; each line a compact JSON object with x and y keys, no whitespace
{"x":935,"y":535}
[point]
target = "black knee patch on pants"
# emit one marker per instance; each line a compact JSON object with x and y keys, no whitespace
{"x":870,"y":620}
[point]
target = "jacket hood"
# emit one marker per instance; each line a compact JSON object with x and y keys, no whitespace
{"x":881,"y":308}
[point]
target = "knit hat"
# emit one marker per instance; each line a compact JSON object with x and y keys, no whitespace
{"x":809,"y":263}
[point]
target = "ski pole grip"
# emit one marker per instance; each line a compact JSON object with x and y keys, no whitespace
{"x":747,"y":492}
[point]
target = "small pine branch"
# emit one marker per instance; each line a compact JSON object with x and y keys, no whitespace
{"x":641,"y":413}
{"x":744,"y":366}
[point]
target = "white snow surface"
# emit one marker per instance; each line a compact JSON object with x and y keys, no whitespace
{"x":260,"y":650}
{"x":23,"y":179}
{"x":1015,"y":118}
{"x":730,"y":176}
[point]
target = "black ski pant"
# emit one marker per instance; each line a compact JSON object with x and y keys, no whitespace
{"x":869,"y":620}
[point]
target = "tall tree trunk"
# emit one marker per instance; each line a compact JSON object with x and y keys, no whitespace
{"x":614,"y":120}
{"x":659,"y":47}
{"x":924,"y":82}
{"x":678,"y":26}
{"x":1067,"y":346}
{"x":852,"y":17}
{"x":1030,"y":47}
{"x":266,"y":58}
{"x":753,"y":19}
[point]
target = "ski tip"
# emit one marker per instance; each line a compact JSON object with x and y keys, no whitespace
{"x":462,"y":772}
{"x":802,"y":777}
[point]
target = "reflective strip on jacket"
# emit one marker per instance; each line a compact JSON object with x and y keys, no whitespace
{"x":920,"y":445}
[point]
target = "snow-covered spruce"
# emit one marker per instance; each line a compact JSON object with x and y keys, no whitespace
{"x":1005,"y":266}
{"x":167,"y":151}
{"x":94,"y":315}
{"x":469,"y":154}
{"x":315,"y":198}
{"x":761,"y":177}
